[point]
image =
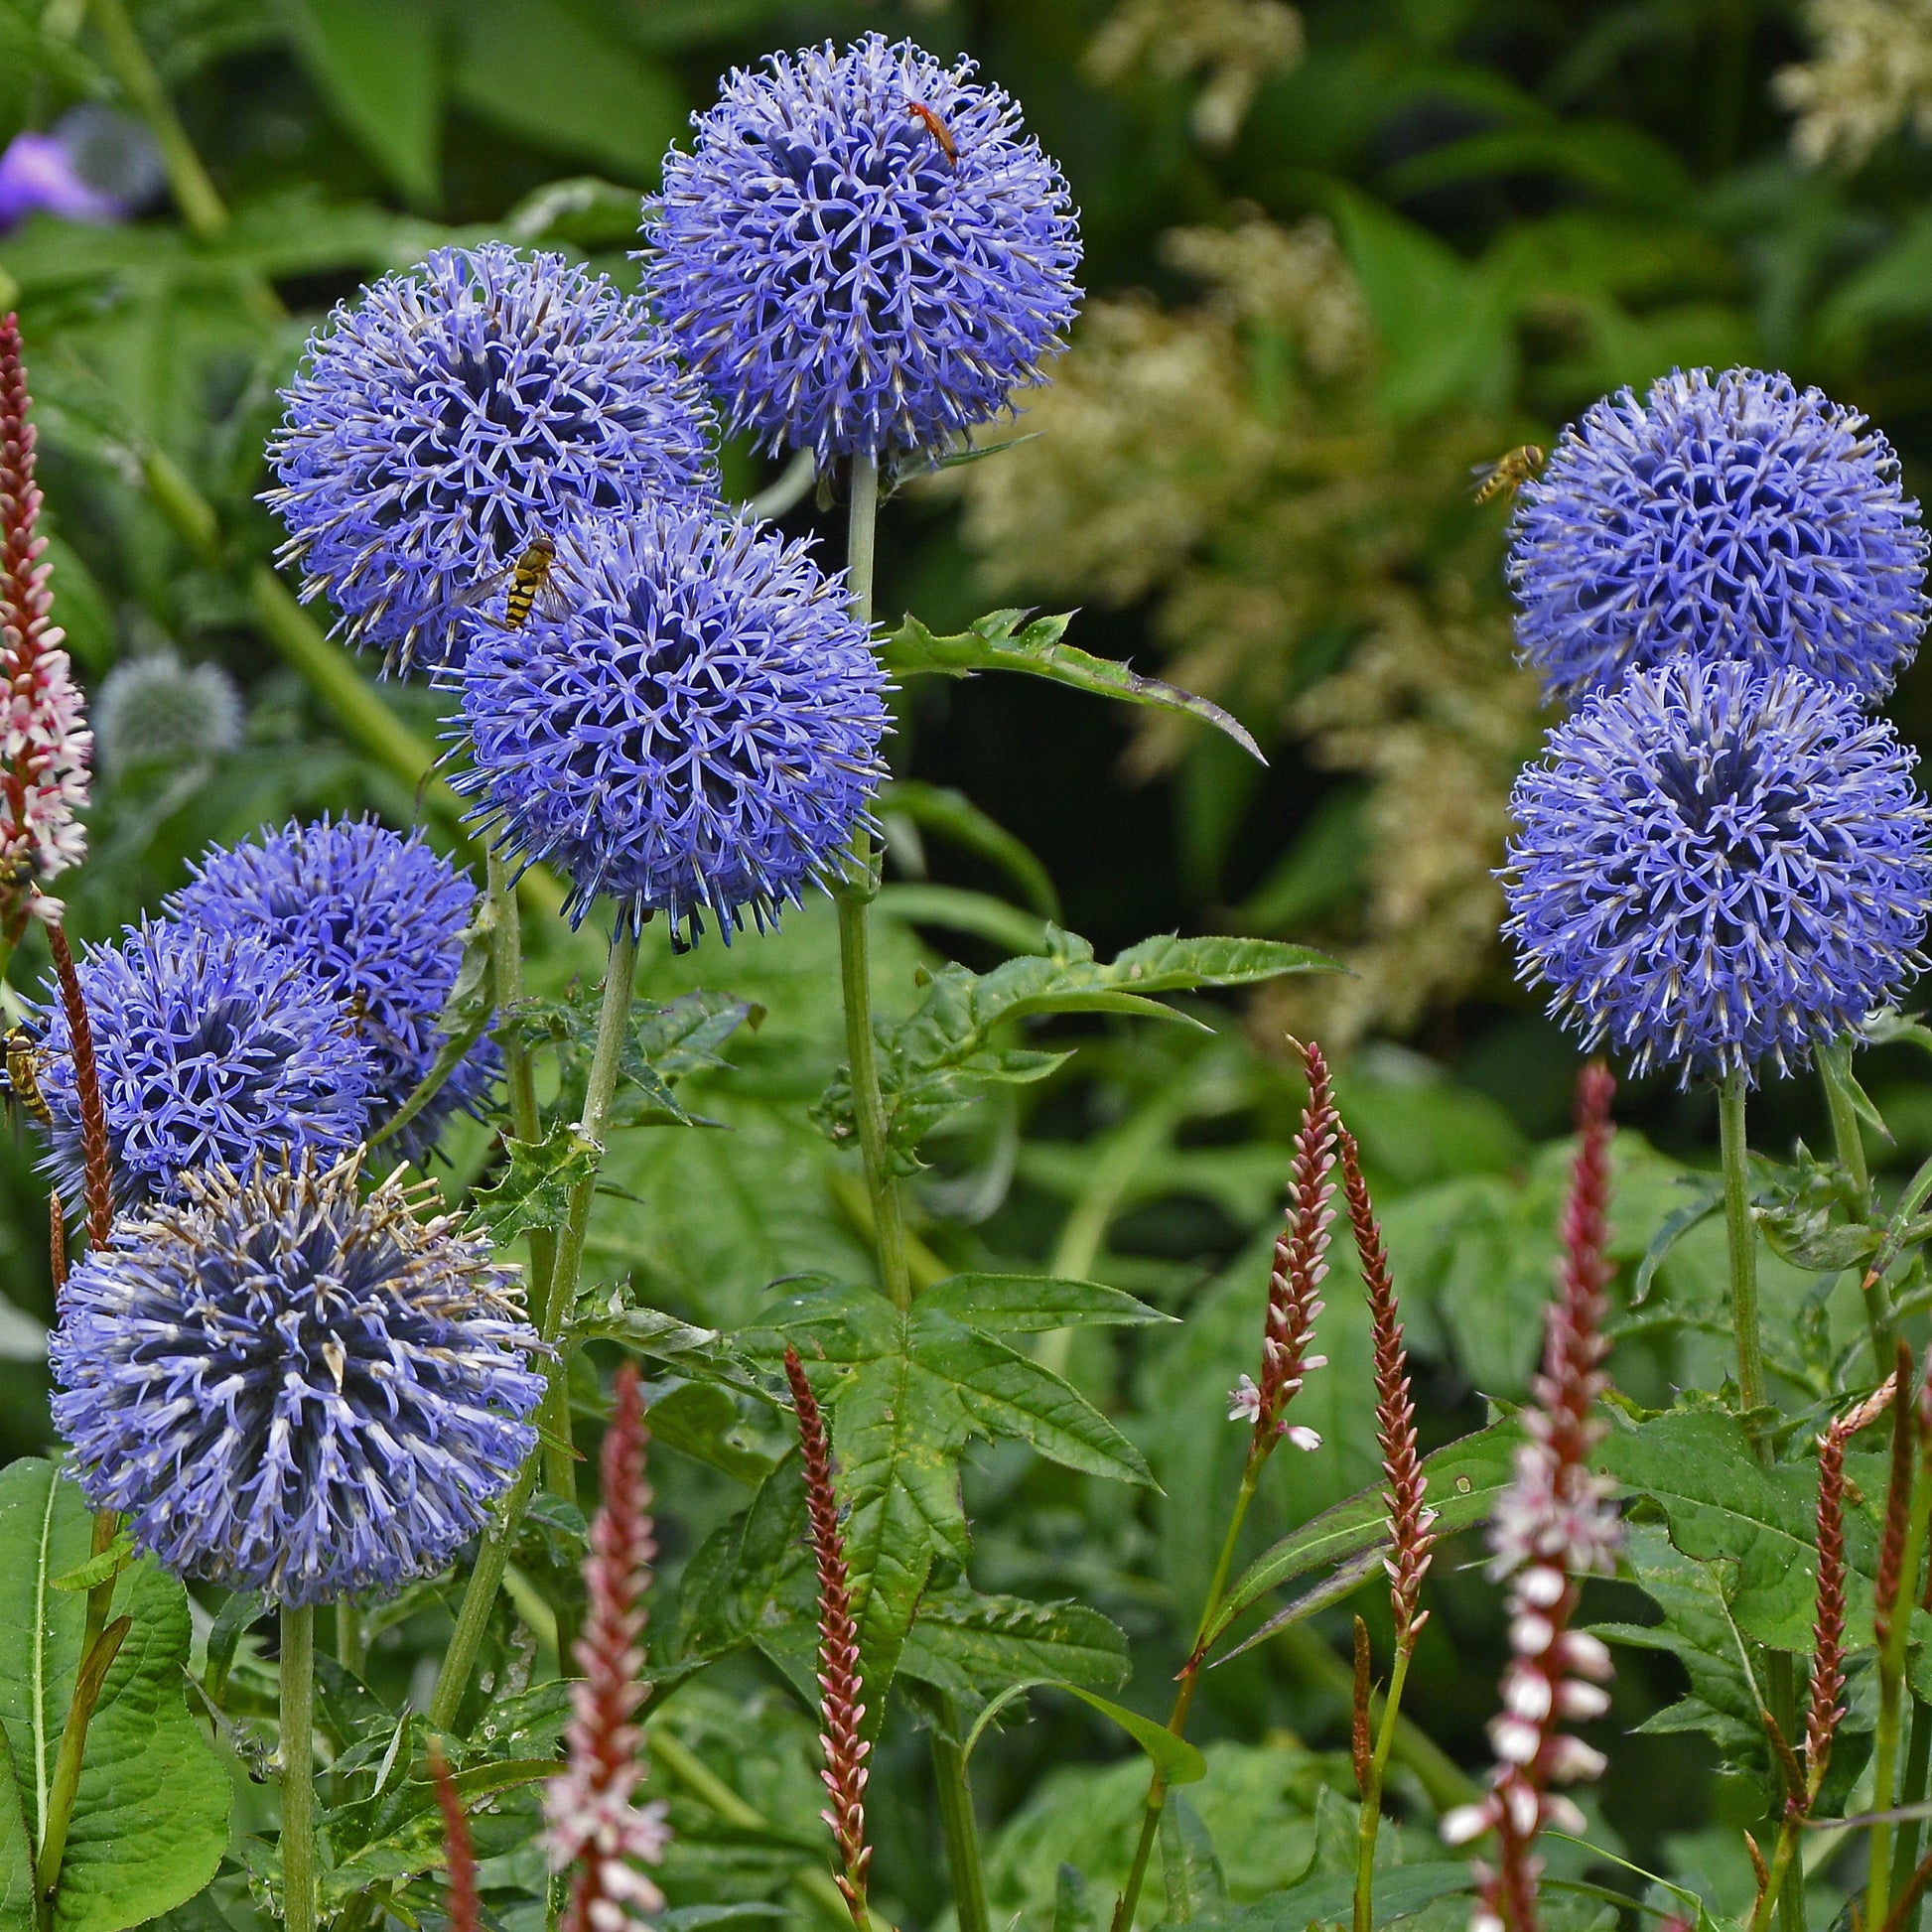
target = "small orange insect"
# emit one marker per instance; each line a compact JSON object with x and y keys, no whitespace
{"x":937,"y":129}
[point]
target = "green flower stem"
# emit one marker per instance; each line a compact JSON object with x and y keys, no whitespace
{"x":1156,"y":1790}
{"x":857,"y":887}
{"x":98,"y":1655}
{"x":1891,"y":1684}
{"x":506,"y":988}
{"x":480,"y":1594}
{"x":351,"y":1640}
{"x":1835,"y":1073}
{"x":957,"y":1822}
{"x":1780,"y":1866}
{"x":298,"y":1768}
{"x":1369,"y":1823}
{"x":1742,"y":1231}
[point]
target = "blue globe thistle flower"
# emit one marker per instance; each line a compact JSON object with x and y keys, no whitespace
{"x":291,"y":1388}
{"x":1719,"y":864}
{"x":1734,"y":516}
{"x":861,"y":254}
{"x":458,"y":412}
{"x":211,"y":1048}
{"x":380,"y":920}
{"x":699,"y":732}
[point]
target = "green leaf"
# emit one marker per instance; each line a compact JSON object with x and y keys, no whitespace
{"x":607,"y":1315}
{"x":16,"y":1851}
{"x":997,"y":642}
{"x":907,"y":1390}
{"x":1069,"y":1900}
{"x":1463,"y":1482}
{"x":378,"y":62}
{"x":955,"y":909}
{"x":535,"y":1193}
{"x":974,"y":1645}
{"x":1029,"y":1305}
{"x":1195,"y":1884}
{"x":97,"y":1570}
{"x":151,"y":1817}
{"x":955,"y":816}
{"x":1399,"y":1892}
{"x":1178,"y":1762}
{"x":553,"y":73}
{"x":752,"y":1575}
{"x":701,"y":1420}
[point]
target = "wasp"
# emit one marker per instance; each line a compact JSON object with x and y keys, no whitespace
{"x":23,"y":1068}
{"x":529,"y":578}
{"x":1509,"y":472}
{"x":937,"y":129}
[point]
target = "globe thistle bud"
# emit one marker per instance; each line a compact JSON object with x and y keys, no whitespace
{"x":1733,"y":515}
{"x":861,"y":254}
{"x":458,"y":412}
{"x":380,"y":920}
{"x":1716,"y":864}
{"x":290,"y":1388}
{"x":157,"y":710}
{"x":698,"y":733}
{"x":212,"y":1048}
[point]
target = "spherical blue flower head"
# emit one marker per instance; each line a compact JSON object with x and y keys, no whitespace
{"x":379,"y":918}
{"x":212,"y":1047}
{"x":291,"y":1389}
{"x":698,"y":732}
{"x":1733,"y":515}
{"x":841,"y":280}
{"x":459,"y":411}
{"x":1719,"y":864}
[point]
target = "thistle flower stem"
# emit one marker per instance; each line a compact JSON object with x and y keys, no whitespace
{"x":506,"y":977}
{"x":298,"y":1672}
{"x":352,"y":1648}
{"x":493,"y":1555}
{"x":857,"y":887}
{"x":1369,"y":1824}
{"x":1742,"y":1231}
{"x":958,"y":1824}
{"x":1156,"y":1790}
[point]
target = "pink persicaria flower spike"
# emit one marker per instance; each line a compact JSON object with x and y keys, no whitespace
{"x":840,"y":1689}
{"x":1294,"y":1286}
{"x":1554,"y":1526}
{"x":465,"y":1906}
{"x":595,"y":1827}
{"x":44,"y":743}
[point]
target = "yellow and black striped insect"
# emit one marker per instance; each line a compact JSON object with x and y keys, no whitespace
{"x":530,"y":578}
{"x":1508,"y":473}
{"x":937,"y":129}
{"x":23,"y":1068}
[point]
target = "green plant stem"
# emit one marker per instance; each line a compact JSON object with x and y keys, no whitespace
{"x":957,"y":1823}
{"x":1156,"y":1790}
{"x":480,"y":1594}
{"x":352,"y":1643}
{"x":195,"y":195}
{"x":857,"y":887}
{"x":65,"y":1786}
{"x":1369,"y":1823}
{"x":711,"y":1790}
{"x":1912,"y":1790}
{"x":1742,"y":1231}
{"x":1781,"y":1689}
{"x":298,"y":1673}
{"x":1891,"y":1684}
{"x":1779,"y":1867}
{"x":1849,"y":1141}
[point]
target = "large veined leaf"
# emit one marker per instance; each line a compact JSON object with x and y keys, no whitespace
{"x":976,"y":1646}
{"x":151,"y":1817}
{"x":907,"y":1390}
{"x":16,"y":1849}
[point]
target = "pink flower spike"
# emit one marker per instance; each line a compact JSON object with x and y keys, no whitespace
{"x":1244,"y":1401}
{"x":465,"y":1908}
{"x":593,"y":1824}
{"x":1553,"y":1525}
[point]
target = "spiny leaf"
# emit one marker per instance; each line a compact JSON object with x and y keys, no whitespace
{"x":1004,"y":640}
{"x":542,"y":1175}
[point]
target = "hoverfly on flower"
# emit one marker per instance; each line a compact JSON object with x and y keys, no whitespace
{"x":1508,"y":473}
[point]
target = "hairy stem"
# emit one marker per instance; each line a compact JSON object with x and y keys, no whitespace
{"x":492,"y":1556}
{"x":857,"y":887}
{"x":1742,"y":1231}
{"x":298,"y":1673}
{"x":958,"y":1823}
{"x":1369,"y":1823}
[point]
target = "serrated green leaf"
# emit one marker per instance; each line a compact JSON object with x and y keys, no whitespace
{"x":1004,"y":640}
{"x":1463,"y":1482}
{"x":701,"y":1420}
{"x":974,"y":1645}
{"x":151,"y":1817}
{"x":603,"y":1315}
{"x":97,"y":1570}
{"x":1400,"y":1892}
{"x":1026,"y":1304}
{"x":535,"y":1192}
{"x":753,"y":1573}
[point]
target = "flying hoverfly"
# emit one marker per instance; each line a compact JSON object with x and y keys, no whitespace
{"x":531,"y":578}
{"x":1508,"y":473}
{"x":23,"y":1058}
{"x":937,"y":129}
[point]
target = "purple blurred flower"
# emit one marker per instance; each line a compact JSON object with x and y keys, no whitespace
{"x":37,"y":175}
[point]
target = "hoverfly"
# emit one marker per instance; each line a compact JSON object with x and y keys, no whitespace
{"x":1508,"y":473}
{"x":23,"y":1077}
{"x":530,"y":577}
{"x":937,"y":129}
